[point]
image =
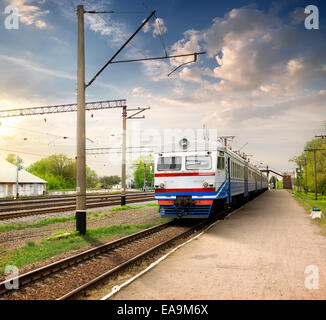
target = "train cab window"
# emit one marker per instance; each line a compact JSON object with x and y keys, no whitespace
{"x":220,"y":163}
{"x":169,"y":163}
{"x":198,"y":162}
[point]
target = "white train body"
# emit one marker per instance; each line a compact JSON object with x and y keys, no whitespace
{"x":197,"y":184}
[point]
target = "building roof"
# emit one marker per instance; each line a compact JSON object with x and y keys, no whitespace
{"x":8,"y":173}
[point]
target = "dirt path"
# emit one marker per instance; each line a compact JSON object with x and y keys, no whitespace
{"x":260,"y":252}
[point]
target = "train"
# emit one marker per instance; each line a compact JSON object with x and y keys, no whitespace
{"x":201,"y":183}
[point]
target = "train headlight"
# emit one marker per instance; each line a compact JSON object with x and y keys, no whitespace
{"x":162,"y":185}
{"x":184,"y":143}
{"x":205,"y":184}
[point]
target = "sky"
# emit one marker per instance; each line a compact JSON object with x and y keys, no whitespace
{"x":262,"y":79}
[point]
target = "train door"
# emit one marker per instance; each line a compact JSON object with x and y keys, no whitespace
{"x":228,"y":180}
{"x":246,"y":181}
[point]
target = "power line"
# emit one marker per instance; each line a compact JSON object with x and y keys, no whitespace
{"x":121,"y":48}
{"x":30,"y":130}
{"x":116,"y":29}
{"x":160,"y":34}
{"x":24,"y":152}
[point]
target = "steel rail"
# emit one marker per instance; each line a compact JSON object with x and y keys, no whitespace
{"x":39,"y":273}
{"x":198,"y":227}
{"x":43,"y":203}
{"x":62,"y":198}
{"x":24,"y":213}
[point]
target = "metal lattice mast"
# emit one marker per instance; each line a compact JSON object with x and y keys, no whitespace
{"x":60,"y":108}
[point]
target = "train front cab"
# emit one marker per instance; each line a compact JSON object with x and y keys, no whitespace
{"x":186,"y":185}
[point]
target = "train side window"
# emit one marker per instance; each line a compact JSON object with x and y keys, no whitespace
{"x":220,"y":163}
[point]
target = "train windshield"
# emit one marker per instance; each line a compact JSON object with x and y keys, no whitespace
{"x":198,"y":162}
{"x":169,"y":163}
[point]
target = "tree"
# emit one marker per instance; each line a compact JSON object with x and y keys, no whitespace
{"x":141,"y":164}
{"x":91,"y":178}
{"x":317,"y":143}
{"x":12,"y":158}
{"x":109,"y":181}
{"x":60,"y":172}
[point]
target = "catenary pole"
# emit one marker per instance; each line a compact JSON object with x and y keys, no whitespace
{"x":305,"y":172}
{"x":81,"y":126}
{"x":124,"y":147}
{"x":315,"y":174}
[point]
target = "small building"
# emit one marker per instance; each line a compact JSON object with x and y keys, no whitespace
{"x":287,"y":181}
{"x":29,"y":185}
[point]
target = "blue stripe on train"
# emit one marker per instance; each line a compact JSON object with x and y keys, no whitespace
{"x":191,"y":193}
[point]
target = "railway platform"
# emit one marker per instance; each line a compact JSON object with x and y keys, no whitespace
{"x":268,"y":249}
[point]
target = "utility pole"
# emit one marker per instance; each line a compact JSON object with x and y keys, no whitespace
{"x":315,"y":173}
{"x":19,"y":167}
{"x":123,"y":166}
{"x":144,"y":187}
{"x":300,"y":188}
{"x":124,"y":147}
{"x":81,"y":127}
{"x":305,"y":172}
{"x":315,"y":169}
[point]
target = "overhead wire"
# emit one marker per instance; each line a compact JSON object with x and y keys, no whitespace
{"x":161,"y":35}
{"x":116,"y":29}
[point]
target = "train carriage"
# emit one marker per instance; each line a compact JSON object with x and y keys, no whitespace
{"x":191,"y":183}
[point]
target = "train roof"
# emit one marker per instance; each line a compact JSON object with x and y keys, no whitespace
{"x":201,"y":146}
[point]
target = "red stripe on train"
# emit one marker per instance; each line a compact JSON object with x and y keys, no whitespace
{"x":182,"y":174}
{"x":186,"y":190}
{"x":196,"y":202}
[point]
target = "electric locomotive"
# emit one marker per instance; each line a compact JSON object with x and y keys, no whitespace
{"x":200,"y":182}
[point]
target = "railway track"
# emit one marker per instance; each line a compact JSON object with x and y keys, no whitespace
{"x":7,"y":204}
{"x":68,"y":277}
{"x":48,"y":206}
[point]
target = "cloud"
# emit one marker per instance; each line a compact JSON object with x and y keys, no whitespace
{"x":27,"y":64}
{"x":252,"y":48}
{"x":158,"y":27}
{"x":193,"y":74}
{"x":260,"y":59}
{"x":141,"y":92}
{"x":107,"y":27}
{"x":30,"y":12}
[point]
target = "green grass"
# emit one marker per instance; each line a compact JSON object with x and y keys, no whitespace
{"x":48,"y":221}
{"x":38,"y":224}
{"x":33,"y":252}
{"x":308,"y":202}
{"x":134,"y":207}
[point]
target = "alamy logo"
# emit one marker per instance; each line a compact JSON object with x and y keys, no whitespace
{"x":312,"y":279}
{"x":12,"y":20}
{"x":312,"y":21}
{"x":12,"y":281}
